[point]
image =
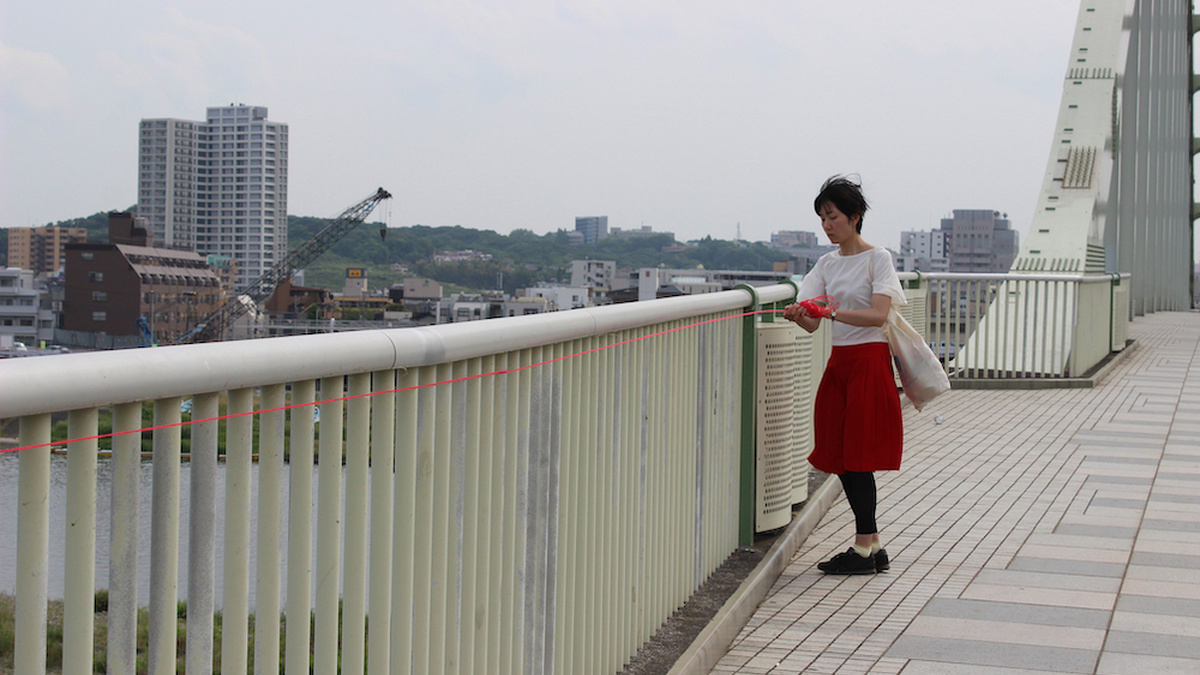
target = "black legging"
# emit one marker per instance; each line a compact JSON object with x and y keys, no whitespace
{"x":860,"y":492}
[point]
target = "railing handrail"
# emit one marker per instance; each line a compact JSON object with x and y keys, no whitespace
{"x":1018,"y":276}
{"x":35,"y":386}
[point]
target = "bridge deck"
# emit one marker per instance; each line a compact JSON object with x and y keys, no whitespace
{"x":1030,"y":531}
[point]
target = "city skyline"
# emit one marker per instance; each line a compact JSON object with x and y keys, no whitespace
{"x":504,"y":116}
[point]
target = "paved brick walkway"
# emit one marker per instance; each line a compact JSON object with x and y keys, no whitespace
{"x":1030,"y":531}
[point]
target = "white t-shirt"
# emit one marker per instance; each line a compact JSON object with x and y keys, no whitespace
{"x":852,"y":280}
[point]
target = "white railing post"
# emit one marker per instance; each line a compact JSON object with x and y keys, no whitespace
{"x":404,"y":527}
{"x":79,"y":588}
{"x":235,"y":607}
{"x":354,"y":591}
{"x":33,"y":541}
{"x":270,"y":522}
{"x":123,"y":539}
{"x":300,"y":507}
{"x":329,"y":518}
{"x":383,"y":459}
{"x":202,"y":533}
{"x":164,"y":538}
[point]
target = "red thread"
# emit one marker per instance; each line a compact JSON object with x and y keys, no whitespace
{"x":506,"y":371}
{"x":821,"y":306}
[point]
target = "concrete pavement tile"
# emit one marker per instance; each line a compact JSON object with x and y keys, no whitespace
{"x":916,"y":667}
{"x":1118,"y":503}
{"x":1016,"y":612}
{"x":1189,"y":562}
{"x":1111,"y":513}
{"x":1041,"y":596}
{"x":1122,"y":664}
{"x":1047,"y":580}
{"x":1072,"y":553}
{"x":1085,"y":567}
{"x":1158,"y":573}
{"x":1159,"y":604}
{"x":1158,"y":624}
{"x":1152,"y":644}
{"x":1161,"y":589}
{"x":1119,"y":470}
{"x":1078,"y":541}
{"x":1162,"y":535}
{"x":1169,"y":525}
{"x":1098,"y":457}
{"x":981,"y":653}
{"x":1006,"y":631}
{"x":1100,"y":481}
{"x":1092,"y":530}
{"x":1125,"y":520}
{"x":1168,"y":547}
{"x":1177,"y":495}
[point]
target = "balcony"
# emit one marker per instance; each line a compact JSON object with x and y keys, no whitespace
{"x":527,"y":494}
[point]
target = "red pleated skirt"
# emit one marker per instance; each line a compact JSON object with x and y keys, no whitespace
{"x":857,"y":422}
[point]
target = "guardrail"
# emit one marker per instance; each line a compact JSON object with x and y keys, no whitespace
{"x":534,"y":494}
{"x":530,"y":494}
{"x":1023,"y":326}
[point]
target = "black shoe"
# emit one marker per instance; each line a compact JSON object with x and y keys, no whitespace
{"x":849,"y":562}
{"x":882,"y":564}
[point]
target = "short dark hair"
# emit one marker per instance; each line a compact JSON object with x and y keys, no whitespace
{"x":846,"y":195}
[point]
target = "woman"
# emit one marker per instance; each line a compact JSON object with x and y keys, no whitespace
{"x":857,"y":417}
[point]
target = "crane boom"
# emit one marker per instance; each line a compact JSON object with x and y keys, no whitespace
{"x":213,"y":326}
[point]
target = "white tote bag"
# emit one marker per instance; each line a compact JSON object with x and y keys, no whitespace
{"x":921,"y":374}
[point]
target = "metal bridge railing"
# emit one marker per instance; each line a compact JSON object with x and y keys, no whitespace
{"x":531,"y":494}
{"x":526,"y":495}
{"x":1020,"y":326}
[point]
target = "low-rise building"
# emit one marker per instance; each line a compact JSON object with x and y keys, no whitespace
{"x":25,"y":315}
{"x":793,"y":239}
{"x":109,"y":287}
{"x":651,"y":279}
{"x":640,"y":233}
{"x":418,"y":288}
{"x":599,"y":276}
{"x":562,"y":297}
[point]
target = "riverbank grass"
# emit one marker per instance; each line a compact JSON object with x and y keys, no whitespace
{"x":54,"y":636}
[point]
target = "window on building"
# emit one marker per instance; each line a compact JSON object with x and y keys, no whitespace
{"x":95,"y":276}
{"x":99,"y":296}
{"x":99,"y":316}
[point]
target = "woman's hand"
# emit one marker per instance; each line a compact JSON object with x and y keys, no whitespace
{"x":796,"y":313}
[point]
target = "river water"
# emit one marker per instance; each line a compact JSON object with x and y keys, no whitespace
{"x":58,"y":500}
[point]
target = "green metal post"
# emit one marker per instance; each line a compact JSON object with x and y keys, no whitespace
{"x":749,"y":410}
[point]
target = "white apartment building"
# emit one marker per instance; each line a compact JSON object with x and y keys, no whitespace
{"x":22,"y":317}
{"x":693,"y":281}
{"x":218,"y":186}
{"x":562,"y":297}
{"x":598,"y":275}
{"x":924,"y":251}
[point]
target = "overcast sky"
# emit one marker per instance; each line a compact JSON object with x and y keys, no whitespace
{"x":692,"y":117}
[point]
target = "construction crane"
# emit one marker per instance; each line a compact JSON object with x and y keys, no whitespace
{"x":213,"y":326}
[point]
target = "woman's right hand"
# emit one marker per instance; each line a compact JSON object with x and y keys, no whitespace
{"x":795,"y":312}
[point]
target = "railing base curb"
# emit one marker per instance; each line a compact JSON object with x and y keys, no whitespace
{"x":1091,"y":380}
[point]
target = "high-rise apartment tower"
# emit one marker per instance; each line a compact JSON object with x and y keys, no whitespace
{"x":218,"y":186}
